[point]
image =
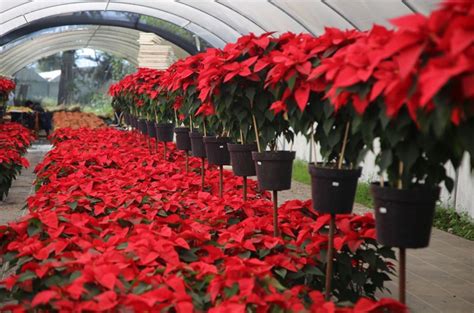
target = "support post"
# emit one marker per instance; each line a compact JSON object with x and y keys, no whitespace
{"x":221,"y":180}
{"x":276,"y":231}
{"x":244,"y":187}
{"x":330,"y":257}
{"x":187,"y":161}
{"x":202,"y":174}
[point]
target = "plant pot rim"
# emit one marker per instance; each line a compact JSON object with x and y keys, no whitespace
{"x":280,"y":155}
{"x":242,"y":147}
{"x":181,"y":129}
{"x":392,"y":192}
{"x":319,"y":169}
{"x":215,"y":139}
{"x":195,"y":134}
{"x":164,"y":125}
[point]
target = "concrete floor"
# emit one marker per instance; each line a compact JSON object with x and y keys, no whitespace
{"x":12,"y":207}
{"x":440,"y":278}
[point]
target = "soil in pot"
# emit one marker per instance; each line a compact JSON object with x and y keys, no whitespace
{"x":197,"y":144}
{"x":333,"y":190}
{"x":150,"y":125}
{"x":183,"y":142}
{"x":216,"y":150}
{"x":274,"y":169}
{"x":164,"y":132}
{"x":403,"y":218}
{"x":241,"y":159}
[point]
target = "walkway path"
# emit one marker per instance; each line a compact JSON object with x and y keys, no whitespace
{"x":440,"y":278}
{"x":12,"y":207}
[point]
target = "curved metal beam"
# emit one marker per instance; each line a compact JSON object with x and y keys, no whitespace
{"x":83,"y":19}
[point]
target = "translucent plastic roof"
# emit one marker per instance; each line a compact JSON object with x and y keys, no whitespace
{"x":121,"y":42}
{"x":217,"y":22}
{"x":221,"y":21}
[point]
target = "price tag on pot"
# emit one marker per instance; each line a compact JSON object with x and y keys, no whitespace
{"x":335,"y":184}
{"x":382,"y":210}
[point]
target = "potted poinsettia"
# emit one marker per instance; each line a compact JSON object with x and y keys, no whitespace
{"x":297,"y":75}
{"x":6,"y":86}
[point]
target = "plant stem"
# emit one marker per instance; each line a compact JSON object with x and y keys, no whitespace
{"x":241,"y":136}
{"x":344,"y":143}
{"x":256,"y":132}
{"x":204,"y":125}
{"x":176,"y":118}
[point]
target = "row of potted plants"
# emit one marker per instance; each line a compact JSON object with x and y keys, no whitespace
{"x":113,"y":227}
{"x":6,"y":86}
{"x":14,"y":140}
{"x":407,"y":88}
{"x":410,"y":89}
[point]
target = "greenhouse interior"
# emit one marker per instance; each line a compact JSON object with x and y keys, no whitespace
{"x":237,"y":156}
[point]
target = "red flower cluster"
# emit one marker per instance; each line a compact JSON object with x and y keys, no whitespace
{"x":6,"y":86}
{"x":406,"y":67}
{"x":113,"y":227}
{"x":14,"y":140}
{"x":145,"y":81}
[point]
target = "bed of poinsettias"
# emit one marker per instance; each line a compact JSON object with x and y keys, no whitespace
{"x":113,"y":227}
{"x":14,"y":140}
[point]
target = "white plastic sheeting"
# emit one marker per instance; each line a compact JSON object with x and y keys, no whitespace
{"x":121,"y":42}
{"x":221,"y":21}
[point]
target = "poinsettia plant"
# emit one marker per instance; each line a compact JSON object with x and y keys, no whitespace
{"x":232,"y":83}
{"x":14,"y":140}
{"x":114,"y":227}
{"x":7,"y":85}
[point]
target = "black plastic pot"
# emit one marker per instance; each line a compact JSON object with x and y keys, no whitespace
{"x":183,"y":142}
{"x":127,"y":120}
{"x":142,"y":126}
{"x":164,"y":132}
{"x":241,"y":159}
{"x":274,"y":169}
{"x":197,"y":145}
{"x":403,"y":218}
{"x":150,"y":125}
{"x":216,"y":150}
{"x":333,"y":190}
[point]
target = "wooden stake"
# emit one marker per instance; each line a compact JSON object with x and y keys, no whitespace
{"x":402,"y":251}
{"x":330,"y":256}
{"x":275,"y":214}
{"x":256,"y":132}
{"x":164,"y":150}
{"x":343,"y":148}
{"x":332,"y":226}
{"x":245,"y":187}
{"x":315,"y":146}
{"x":221,"y":180}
